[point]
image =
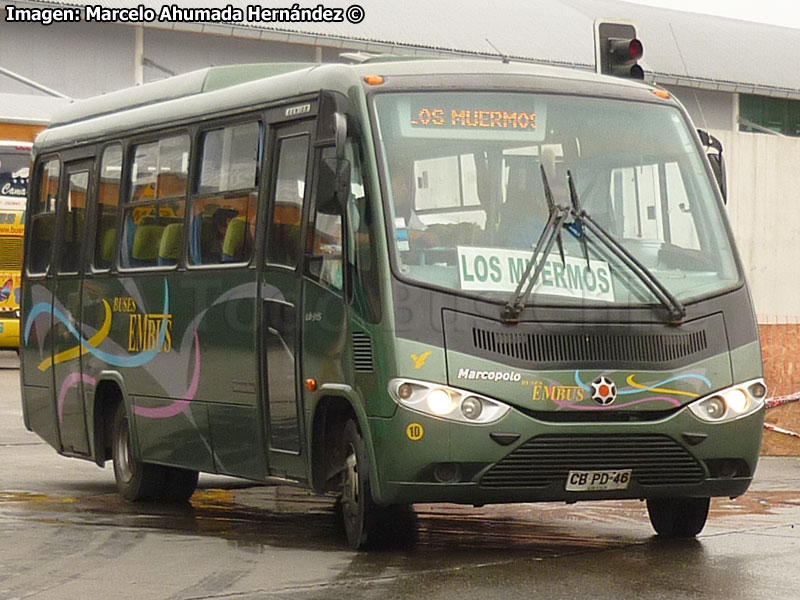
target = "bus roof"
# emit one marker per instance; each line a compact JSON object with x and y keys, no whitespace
{"x":180,"y":86}
{"x":217,"y":89}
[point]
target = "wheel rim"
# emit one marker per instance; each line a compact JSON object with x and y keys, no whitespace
{"x":350,"y":484}
{"x":123,"y":462}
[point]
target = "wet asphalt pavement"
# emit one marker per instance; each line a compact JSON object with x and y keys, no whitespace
{"x":65,"y":533}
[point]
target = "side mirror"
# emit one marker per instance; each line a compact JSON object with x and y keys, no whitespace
{"x":333,"y":185}
{"x":714,"y":153}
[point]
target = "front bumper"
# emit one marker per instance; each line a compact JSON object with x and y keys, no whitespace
{"x":675,"y":456}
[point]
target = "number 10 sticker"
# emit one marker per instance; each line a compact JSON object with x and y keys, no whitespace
{"x":415,"y":432}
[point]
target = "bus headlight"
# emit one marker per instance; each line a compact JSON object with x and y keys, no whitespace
{"x":439,"y":402}
{"x":731,"y":403}
{"x":446,"y":402}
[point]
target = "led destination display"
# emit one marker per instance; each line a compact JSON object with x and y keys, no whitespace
{"x":458,"y":117}
{"x":465,"y":115}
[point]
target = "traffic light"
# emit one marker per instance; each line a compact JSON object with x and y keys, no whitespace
{"x":617,"y":50}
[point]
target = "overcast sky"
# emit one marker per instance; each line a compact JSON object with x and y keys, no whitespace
{"x":775,"y":12}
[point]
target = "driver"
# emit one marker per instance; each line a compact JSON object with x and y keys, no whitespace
{"x":410,"y":230}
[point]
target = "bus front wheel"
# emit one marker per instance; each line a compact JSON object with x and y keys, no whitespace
{"x":359,"y":510}
{"x":136,"y":480}
{"x":367,"y":524}
{"x":678,"y":517}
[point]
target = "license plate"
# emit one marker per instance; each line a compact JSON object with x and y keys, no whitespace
{"x":592,"y":481}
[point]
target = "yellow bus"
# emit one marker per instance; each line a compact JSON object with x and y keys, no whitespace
{"x":14,"y":170}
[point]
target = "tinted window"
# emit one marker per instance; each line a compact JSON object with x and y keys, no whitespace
{"x":107,"y":204}
{"x":69,"y":253}
{"x":43,"y":219}
{"x":152,"y":234}
{"x":283,"y":239}
{"x":223,"y":213}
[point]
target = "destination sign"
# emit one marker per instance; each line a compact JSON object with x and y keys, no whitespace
{"x":461,"y":117}
{"x":500,"y":270}
{"x":469,"y":115}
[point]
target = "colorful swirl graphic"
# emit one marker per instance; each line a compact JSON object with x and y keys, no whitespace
{"x":618,"y":406}
{"x":637,"y":388}
{"x":68,"y":382}
{"x":83,"y":348}
{"x":89,"y":346}
{"x":178,"y":406}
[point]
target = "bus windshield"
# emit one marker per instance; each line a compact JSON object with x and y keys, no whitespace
{"x":465,"y":177}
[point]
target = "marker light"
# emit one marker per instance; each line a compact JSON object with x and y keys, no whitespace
{"x":758,"y":390}
{"x":440,"y":402}
{"x":714,"y":408}
{"x":405,"y":391}
{"x":732,"y":402}
{"x":373,"y":79}
{"x":471,"y":408}
{"x":445,"y":402}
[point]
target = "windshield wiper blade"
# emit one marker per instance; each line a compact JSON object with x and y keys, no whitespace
{"x":550,"y":235}
{"x":677,"y":312}
{"x":576,"y":207}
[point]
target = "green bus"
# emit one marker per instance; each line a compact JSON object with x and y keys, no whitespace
{"x":398,"y":281}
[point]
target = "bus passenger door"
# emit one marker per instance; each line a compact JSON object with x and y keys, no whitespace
{"x":280,"y":289}
{"x":324,"y":315}
{"x":36,"y":326}
{"x":66,"y":359}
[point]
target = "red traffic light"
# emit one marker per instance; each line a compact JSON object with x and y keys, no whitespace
{"x":635,"y":49}
{"x":617,"y":49}
{"x":621,"y":57}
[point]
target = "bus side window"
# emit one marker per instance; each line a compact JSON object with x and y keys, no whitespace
{"x":157,"y":200}
{"x":69,"y":253}
{"x":283,"y":239}
{"x":225,"y":196}
{"x":364,"y":293}
{"x":43,"y":220}
{"x":107,"y":205}
{"x":325,"y":236}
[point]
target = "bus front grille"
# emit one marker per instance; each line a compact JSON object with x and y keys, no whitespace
{"x":608,"y":347}
{"x":655,"y":460}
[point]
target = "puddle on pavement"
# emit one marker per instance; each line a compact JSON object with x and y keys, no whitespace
{"x":289,"y":517}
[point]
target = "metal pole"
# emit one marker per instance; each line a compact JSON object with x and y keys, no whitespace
{"x":32,"y":83}
{"x":138,"y":56}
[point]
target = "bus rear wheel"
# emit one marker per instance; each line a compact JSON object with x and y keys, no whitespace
{"x":678,"y":517}
{"x":136,"y":480}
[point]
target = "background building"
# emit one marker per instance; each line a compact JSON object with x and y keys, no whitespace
{"x":739,"y":80}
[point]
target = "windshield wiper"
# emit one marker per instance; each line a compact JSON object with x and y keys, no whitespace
{"x":677,"y":311}
{"x":550,"y":235}
{"x":581,"y":221}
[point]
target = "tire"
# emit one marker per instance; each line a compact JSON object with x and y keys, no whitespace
{"x":136,"y":480}
{"x":366,"y":524}
{"x":179,"y":484}
{"x":678,"y":517}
